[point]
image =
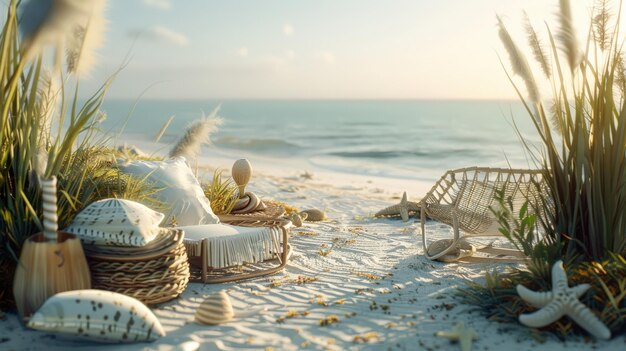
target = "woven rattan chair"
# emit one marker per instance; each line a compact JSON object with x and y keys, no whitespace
{"x":462,"y":199}
{"x":271,"y":255}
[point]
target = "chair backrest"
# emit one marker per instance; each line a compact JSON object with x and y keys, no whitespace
{"x":471,"y":192}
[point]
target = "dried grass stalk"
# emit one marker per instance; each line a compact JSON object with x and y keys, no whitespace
{"x":518,"y":61}
{"x":196,"y":135}
{"x":537,"y":48}
{"x":566,"y":35}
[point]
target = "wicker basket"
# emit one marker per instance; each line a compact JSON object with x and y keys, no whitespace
{"x":155,"y":273}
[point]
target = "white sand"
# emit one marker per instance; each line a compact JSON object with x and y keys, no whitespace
{"x":409,"y":299}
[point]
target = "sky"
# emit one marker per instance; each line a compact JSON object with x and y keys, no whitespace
{"x":313,"y":49}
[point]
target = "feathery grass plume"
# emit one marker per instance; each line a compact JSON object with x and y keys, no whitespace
{"x":41,"y":162}
{"x":567,"y":35}
{"x":536,"y":47}
{"x":45,"y":22}
{"x":600,"y":22}
{"x":47,"y":98}
{"x":86,"y":38}
{"x":163,"y":128}
{"x":197,"y":134}
{"x":518,"y":62}
{"x":620,"y":73}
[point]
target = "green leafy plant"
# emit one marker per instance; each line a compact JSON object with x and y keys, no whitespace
{"x":522,"y":230}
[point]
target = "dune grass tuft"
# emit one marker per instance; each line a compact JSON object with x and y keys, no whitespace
{"x":222,"y":193}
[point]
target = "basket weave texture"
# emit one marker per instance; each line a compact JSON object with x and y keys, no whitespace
{"x":155,"y":273}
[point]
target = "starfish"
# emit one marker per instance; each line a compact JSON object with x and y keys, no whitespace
{"x":402,"y":209}
{"x":562,"y":300}
{"x":461,"y":334}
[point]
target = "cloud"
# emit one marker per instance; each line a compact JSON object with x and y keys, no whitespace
{"x":163,"y":34}
{"x":160,"y":4}
{"x":243,"y":51}
{"x":327,"y":57}
{"x":288,"y":30}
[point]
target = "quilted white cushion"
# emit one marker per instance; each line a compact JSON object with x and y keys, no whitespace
{"x":97,"y":315}
{"x":116,"y":222}
{"x":180,"y":191}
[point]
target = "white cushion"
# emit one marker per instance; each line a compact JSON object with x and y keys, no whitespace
{"x":97,"y":315}
{"x":116,"y":222}
{"x":215,"y":231}
{"x":180,"y":191}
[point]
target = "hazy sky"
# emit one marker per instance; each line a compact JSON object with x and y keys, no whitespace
{"x":340,"y":49}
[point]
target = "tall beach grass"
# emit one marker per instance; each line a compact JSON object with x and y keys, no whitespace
{"x":36,"y":117}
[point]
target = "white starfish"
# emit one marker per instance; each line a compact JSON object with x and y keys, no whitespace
{"x":562,"y":300}
{"x":401,"y":209}
{"x":461,"y":334}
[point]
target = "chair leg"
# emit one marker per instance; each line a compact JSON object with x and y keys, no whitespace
{"x":204,"y":260}
{"x":422,"y":222}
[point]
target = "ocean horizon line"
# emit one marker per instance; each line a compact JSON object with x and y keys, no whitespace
{"x":314,"y":99}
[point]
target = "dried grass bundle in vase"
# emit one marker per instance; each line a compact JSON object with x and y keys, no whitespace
{"x":50,"y":262}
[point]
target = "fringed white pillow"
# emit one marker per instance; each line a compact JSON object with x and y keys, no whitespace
{"x":179,"y":190}
{"x":116,"y":222}
{"x":97,"y":315}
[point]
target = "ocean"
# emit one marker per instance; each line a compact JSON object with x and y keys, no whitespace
{"x":397,"y":139}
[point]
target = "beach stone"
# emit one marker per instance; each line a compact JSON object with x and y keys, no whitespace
{"x":314,"y":215}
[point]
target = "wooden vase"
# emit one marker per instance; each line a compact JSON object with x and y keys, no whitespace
{"x":46,"y":268}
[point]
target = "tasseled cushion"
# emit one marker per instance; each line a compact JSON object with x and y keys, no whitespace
{"x":231,"y":245}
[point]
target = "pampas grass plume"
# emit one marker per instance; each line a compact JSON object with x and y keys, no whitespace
{"x":567,"y":35}
{"x":53,"y":22}
{"x":197,"y":134}
{"x":87,"y":37}
{"x":47,"y":99}
{"x":518,"y":62}
{"x":535,"y":45}
{"x":41,"y":163}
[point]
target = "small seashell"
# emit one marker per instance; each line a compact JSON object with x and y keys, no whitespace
{"x":314,"y":215}
{"x":242,"y":172}
{"x":297,"y":218}
{"x":253,"y":204}
{"x":215,"y":309}
{"x":241,"y":203}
